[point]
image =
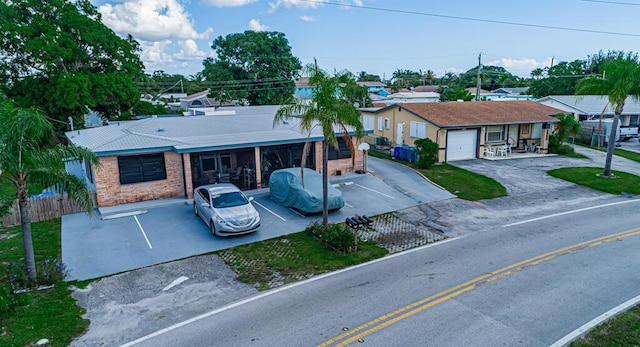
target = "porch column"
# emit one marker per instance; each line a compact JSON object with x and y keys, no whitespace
{"x":258,"y":166}
{"x":186,"y":162}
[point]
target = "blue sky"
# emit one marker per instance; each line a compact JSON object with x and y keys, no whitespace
{"x":381,"y":36}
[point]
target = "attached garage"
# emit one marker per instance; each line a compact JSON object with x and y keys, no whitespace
{"x":462,"y":144}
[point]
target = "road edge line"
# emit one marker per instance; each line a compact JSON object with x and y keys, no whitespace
{"x":584,"y":329}
{"x":280,"y":289}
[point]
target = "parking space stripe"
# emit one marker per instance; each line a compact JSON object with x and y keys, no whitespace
{"x":375,"y":191}
{"x":143,"y":233}
{"x":268,"y":210}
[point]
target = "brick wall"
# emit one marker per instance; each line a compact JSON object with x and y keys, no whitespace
{"x":343,"y":165}
{"x":110,"y":192}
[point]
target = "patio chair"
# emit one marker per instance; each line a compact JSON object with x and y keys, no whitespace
{"x":489,"y":152}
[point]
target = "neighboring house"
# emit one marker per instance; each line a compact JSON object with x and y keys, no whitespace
{"x":163,"y":157}
{"x":461,"y":129}
{"x":502,"y":94}
{"x":410,"y":96}
{"x":303,"y":87}
{"x":375,"y":88}
{"x":427,"y":88}
{"x":585,"y":107}
{"x":196,"y":100}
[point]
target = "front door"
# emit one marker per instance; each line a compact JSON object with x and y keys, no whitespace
{"x":399,"y":129}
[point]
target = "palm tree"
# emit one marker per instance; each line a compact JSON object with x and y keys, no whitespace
{"x":620,"y":79}
{"x":27,"y":159}
{"x":329,"y":111}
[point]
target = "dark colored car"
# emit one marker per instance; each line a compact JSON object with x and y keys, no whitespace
{"x":287,"y":188}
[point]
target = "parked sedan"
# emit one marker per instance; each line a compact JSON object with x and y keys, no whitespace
{"x":287,"y":189}
{"x":225,"y":209}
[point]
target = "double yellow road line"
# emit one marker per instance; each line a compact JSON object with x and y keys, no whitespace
{"x":358,"y":333}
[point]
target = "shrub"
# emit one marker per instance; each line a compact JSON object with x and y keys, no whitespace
{"x":557,"y":146}
{"x":9,"y":300}
{"x":49,"y":272}
{"x":427,"y":153}
{"x":337,"y":237}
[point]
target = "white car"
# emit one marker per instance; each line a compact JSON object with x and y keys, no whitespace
{"x":225,"y":209}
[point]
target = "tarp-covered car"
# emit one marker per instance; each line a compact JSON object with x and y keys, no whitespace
{"x":287,"y":189}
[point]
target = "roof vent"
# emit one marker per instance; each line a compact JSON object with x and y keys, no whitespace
{"x":160,"y":130}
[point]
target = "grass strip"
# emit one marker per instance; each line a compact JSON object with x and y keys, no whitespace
{"x":274,"y":262}
{"x":465,"y":184}
{"x":622,"y":330}
{"x":53,"y":313}
{"x":620,"y":182}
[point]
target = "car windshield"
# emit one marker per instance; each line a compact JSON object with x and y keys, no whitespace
{"x":228,"y":200}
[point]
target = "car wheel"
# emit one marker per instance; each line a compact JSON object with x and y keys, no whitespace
{"x":213,"y":228}
{"x":195,"y":208}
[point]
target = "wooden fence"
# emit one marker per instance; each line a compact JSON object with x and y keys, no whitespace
{"x":43,"y":208}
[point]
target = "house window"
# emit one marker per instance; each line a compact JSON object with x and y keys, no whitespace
{"x":142,"y":168}
{"x":380,"y":123}
{"x":494,"y":133}
{"x":418,"y":129}
{"x":386,"y":123}
{"x":367,"y":122}
{"x":342,"y":152}
{"x":536,"y":132}
{"x":88,"y":170}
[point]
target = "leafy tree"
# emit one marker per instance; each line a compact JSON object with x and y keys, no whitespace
{"x":59,"y":56}
{"x":620,"y":79}
{"x":146,"y":108}
{"x":427,"y":153}
{"x":363,"y":76}
{"x":568,"y":126}
{"x":537,"y":73}
{"x":489,"y":76}
{"x":353,"y":92}
{"x":256,"y":66}
{"x":561,"y":79}
{"x":405,"y":79}
{"x":26,"y":159}
{"x":454,"y":94}
{"x":328,"y":111}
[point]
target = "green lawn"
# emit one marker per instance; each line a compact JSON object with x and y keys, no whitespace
{"x":620,"y":182}
{"x":623,"y":330}
{"x":291,"y":258}
{"x":53,"y":313}
{"x":465,"y":184}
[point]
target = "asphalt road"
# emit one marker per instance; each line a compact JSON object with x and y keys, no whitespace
{"x":127,"y":306}
{"x":481,"y":297}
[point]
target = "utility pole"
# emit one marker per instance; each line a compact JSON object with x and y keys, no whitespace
{"x":478,"y":82}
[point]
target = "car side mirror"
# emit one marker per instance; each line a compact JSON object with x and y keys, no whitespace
{"x":250,"y":199}
{"x":205,"y":205}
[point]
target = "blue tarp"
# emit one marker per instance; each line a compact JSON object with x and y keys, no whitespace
{"x":285,"y":186}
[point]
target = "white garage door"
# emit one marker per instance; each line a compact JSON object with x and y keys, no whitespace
{"x":461,"y":144}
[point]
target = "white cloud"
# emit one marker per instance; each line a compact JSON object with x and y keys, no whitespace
{"x":164,"y":29}
{"x":522,"y":66}
{"x":308,"y":18}
{"x":273,"y":6}
{"x":255,"y":25}
{"x":227,"y":3}
{"x":151,"y":20}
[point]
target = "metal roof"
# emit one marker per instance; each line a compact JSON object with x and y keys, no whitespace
{"x":593,"y":104}
{"x":250,"y":126}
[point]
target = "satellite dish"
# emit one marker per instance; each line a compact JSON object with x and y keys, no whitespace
{"x":364,"y":146}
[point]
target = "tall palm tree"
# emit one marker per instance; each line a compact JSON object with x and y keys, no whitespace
{"x":330,"y":111}
{"x":620,"y":79}
{"x":27,"y":159}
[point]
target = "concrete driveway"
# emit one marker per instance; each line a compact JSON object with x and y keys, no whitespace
{"x":529,"y":175}
{"x":131,"y":236}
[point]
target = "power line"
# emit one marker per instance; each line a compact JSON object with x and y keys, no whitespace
{"x":614,"y":2}
{"x":472,"y":19}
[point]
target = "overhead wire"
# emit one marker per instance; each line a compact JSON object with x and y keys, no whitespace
{"x":425,"y":14}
